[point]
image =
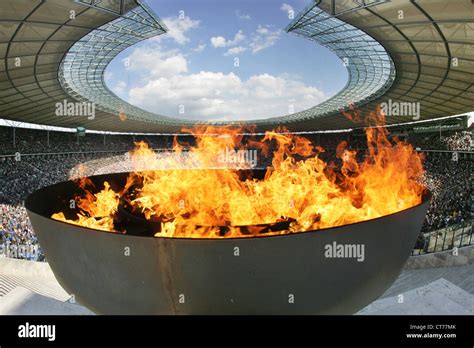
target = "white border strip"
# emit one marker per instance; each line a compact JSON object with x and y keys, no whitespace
{"x":17,"y":124}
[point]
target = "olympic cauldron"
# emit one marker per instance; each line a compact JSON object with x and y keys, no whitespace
{"x":115,"y":273}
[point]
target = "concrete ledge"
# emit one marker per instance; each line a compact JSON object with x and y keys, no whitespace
{"x":21,"y":301}
{"x":439,"y":297}
{"x":23,"y":268}
{"x":465,"y":255}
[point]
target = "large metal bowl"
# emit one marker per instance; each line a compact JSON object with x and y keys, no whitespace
{"x":285,"y":274}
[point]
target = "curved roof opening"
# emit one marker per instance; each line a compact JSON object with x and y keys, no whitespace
{"x":247,"y":69}
{"x":371,"y":70}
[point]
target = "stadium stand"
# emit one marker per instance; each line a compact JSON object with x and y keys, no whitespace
{"x":41,"y":165}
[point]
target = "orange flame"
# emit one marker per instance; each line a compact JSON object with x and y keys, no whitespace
{"x":299,"y":190}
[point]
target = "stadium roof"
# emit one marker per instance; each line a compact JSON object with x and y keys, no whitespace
{"x":431,"y":43}
{"x":404,"y":51}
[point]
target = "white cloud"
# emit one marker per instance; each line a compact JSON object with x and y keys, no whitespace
{"x":199,"y":48}
{"x":120,"y":87}
{"x":177,"y":29}
{"x":287,"y":8}
{"x":218,"y":96}
{"x":108,"y":75}
{"x":162,"y":84}
{"x":238,"y":38}
{"x":263,"y":38}
{"x":242,"y":16}
{"x":156,"y":62}
{"x":220,"y":41}
{"x":235,"y":50}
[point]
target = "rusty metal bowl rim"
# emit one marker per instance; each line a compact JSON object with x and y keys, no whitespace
{"x":425,"y":197}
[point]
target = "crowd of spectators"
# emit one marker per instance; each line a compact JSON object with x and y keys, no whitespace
{"x":19,"y":176}
{"x":26,"y":141}
{"x":17,"y":238}
{"x":449,"y":180}
{"x":451,"y":141}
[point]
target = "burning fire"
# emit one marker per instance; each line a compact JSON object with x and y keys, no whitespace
{"x":208,"y":197}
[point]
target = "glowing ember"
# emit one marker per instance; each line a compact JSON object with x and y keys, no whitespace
{"x":299,"y":192}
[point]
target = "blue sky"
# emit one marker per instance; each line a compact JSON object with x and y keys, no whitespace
{"x":190,"y":71}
